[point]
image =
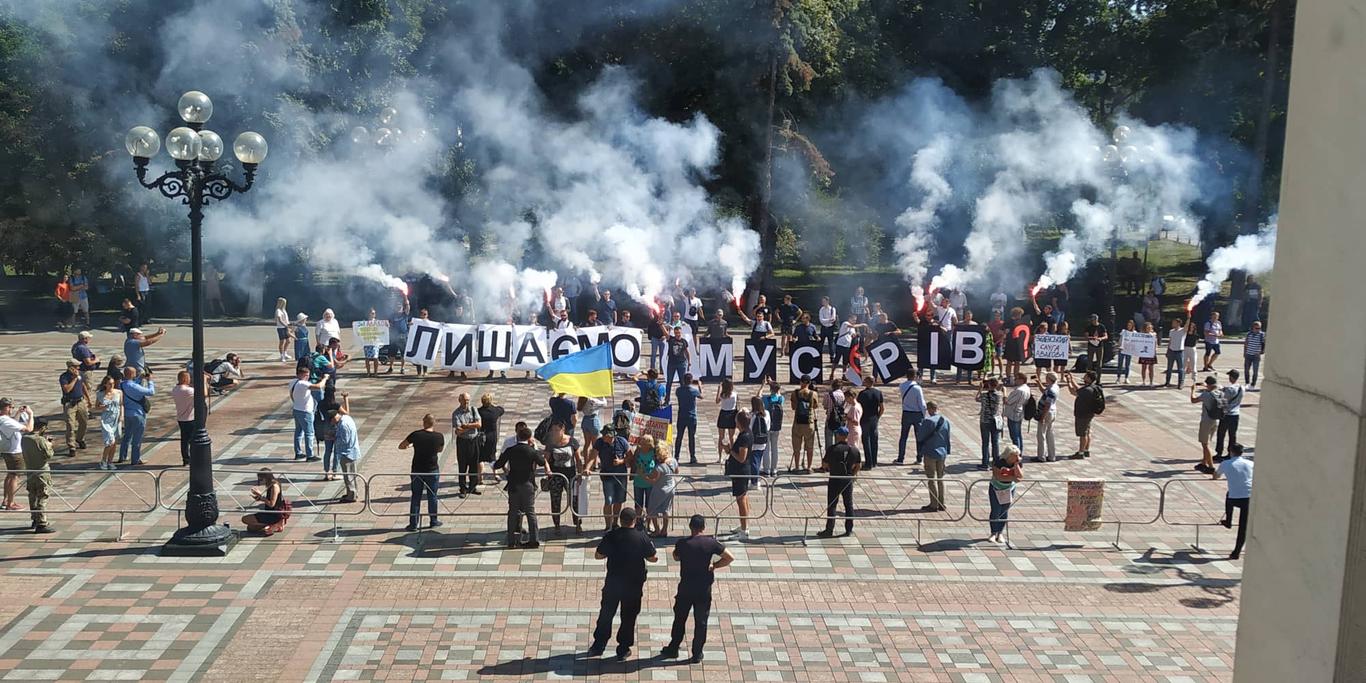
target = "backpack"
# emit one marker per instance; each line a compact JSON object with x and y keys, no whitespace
{"x":1031,"y":409}
{"x":649,"y":399}
{"x":835,"y":419}
{"x":1220,"y":406}
{"x":802,"y":407}
{"x":1098,"y":403}
{"x":542,"y":430}
{"x":212,"y":366}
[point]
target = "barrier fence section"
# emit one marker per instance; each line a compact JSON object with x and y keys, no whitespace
{"x":877,"y":498}
{"x":388,"y":489}
{"x":1194,"y":502}
{"x":712,"y":496}
{"x":120,"y":492}
{"x":1044,"y":501}
{"x":307,"y":493}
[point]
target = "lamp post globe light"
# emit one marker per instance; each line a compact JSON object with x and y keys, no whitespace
{"x":196,"y":183}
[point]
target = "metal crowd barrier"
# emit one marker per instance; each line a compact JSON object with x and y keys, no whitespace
{"x":692,"y":495}
{"x":813,"y":508}
{"x":1177,"y":502}
{"x":448,"y":500}
{"x":1188,"y":502}
{"x":1036,"y":496}
{"x":143,"y":501}
{"x":306,"y":492}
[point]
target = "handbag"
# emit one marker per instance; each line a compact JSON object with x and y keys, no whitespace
{"x":1003,"y":496}
{"x":999,"y":423}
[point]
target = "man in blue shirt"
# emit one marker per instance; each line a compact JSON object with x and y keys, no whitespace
{"x":652,"y":394}
{"x":688,"y":392}
{"x":606,"y":308}
{"x":611,"y":452}
{"x":135,"y":395}
{"x":1238,"y":471}
{"x":933,"y":444}
{"x":133,"y":346}
{"x":80,"y":293}
{"x":347,"y":447}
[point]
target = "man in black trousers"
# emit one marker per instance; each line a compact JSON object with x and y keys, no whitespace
{"x":522,"y":462}
{"x":626,"y":550}
{"x":696,"y":574}
{"x":843,"y":463}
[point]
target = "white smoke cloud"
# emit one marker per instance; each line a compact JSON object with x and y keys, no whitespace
{"x":1029,"y":156}
{"x":1255,"y":254}
{"x":605,"y":190}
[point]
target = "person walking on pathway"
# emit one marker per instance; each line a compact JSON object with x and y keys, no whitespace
{"x":111,"y":420}
{"x":688,"y":393}
{"x":1254,"y":345}
{"x":843,"y":463}
{"x":626,"y":550}
{"x":425,"y":477}
{"x":1176,"y":344}
{"x":696,"y":574}
{"x":934,"y":443}
{"x":1238,"y":471}
{"x":1214,"y":334}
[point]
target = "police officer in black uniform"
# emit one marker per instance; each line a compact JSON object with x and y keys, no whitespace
{"x":696,"y":574}
{"x":843,"y":462}
{"x":626,"y":550}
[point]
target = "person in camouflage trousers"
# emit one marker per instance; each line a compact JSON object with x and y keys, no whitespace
{"x":37,"y":455}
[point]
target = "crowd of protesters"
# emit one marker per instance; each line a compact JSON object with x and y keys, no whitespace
{"x":832,"y":426}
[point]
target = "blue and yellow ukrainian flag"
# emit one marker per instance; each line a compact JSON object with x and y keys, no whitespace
{"x":583,"y":373}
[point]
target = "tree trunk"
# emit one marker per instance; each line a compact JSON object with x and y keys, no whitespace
{"x":760,"y":219}
{"x":1253,"y":205}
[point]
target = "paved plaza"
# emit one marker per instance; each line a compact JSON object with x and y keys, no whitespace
{"x":345,"y":594}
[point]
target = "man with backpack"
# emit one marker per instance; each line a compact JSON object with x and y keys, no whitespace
{"x":651,"y":393}
{"x":803,"y":427}
{"x":934,"y":443}
{"x":834,"y":414}
{"x":1090,"y":402}
{"x":1212,"y":404}
{"x":1228,"y":424}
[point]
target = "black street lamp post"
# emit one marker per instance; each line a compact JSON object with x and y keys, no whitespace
{"x":195,"y":183}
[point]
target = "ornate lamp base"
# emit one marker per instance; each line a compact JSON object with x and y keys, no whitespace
{"x":202,"y":536}
{"x":210,"y":541}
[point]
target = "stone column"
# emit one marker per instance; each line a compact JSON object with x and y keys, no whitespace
{"x":1303,"y":615}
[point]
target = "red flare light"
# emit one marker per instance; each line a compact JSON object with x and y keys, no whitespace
{"x":1190,"y":305}
{"x":402,"y":287}
{"x":1034,"y":291}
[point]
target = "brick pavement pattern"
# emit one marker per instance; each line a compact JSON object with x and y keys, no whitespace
{"x":345,"y":594}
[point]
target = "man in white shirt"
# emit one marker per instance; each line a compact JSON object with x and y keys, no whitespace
{"x":1176,"y":345}
{"x":912,"y":414}
{"x":946,"y":317}
{"x":828,"y":318}
{"x":1238,"y":471}
{"x":301,"y":393}
{"x":1013,"y":409}
{"x":12,"y":430}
